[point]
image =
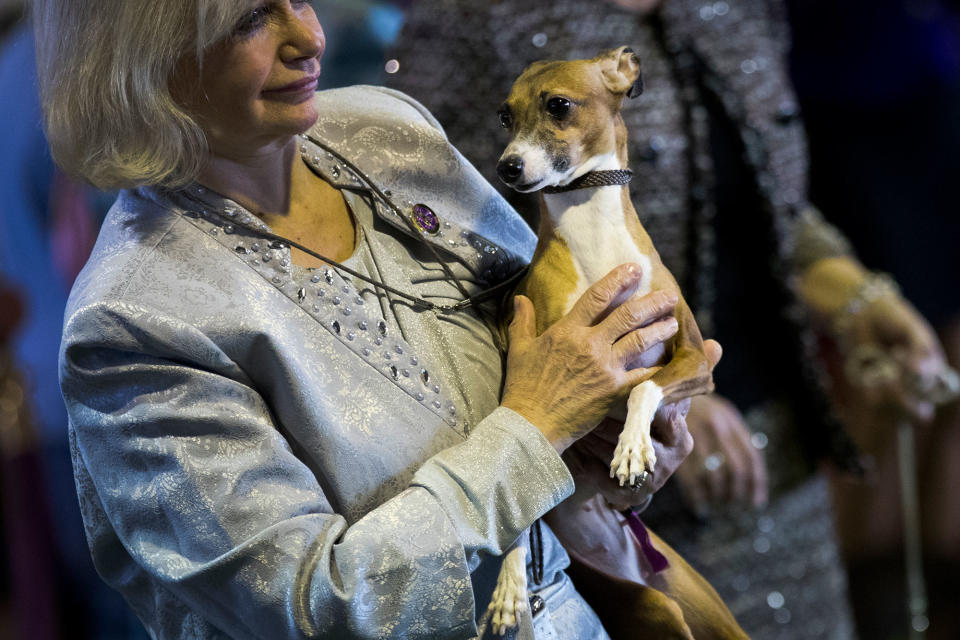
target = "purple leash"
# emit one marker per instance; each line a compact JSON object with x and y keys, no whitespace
{"x":658,"y":561}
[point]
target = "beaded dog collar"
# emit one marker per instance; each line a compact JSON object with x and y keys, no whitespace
{"x":607,"y":178}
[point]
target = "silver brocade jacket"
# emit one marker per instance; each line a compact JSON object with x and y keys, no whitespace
{"x":258,"y":453}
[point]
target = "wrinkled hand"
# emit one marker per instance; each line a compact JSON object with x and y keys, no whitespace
{"x":724,"y":467}
{"x":567,"y":379}
{"x":893,"y":359}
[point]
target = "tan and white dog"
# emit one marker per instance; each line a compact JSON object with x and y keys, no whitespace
{"x":569,"y":141}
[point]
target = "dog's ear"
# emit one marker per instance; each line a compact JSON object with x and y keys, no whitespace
{"x":621,"y":71}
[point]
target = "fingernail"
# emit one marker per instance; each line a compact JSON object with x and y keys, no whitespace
{"x":633,"y":269}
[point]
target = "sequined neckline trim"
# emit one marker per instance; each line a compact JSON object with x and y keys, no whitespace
{"x":337,"y":306}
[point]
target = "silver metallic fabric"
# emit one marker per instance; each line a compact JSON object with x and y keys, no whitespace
{"x":267,"y":451}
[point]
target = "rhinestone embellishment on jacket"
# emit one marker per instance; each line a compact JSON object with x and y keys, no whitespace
{"x":274,"y":264}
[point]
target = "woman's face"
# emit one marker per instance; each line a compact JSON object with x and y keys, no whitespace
{"x":256,"y":88}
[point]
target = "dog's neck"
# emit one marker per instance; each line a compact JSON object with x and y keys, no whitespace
{"x":597,"y":226}
{"x":596,"y":204}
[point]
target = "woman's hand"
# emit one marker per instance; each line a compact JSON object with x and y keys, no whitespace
{"x":566,"y":380}
{"x":724,"y":466}
{"x":894,"y":360}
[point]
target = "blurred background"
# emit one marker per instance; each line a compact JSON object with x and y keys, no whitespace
{"x":878,"y":84}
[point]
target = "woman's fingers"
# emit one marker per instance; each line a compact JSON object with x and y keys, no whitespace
{"x":731,"y":441}
{"x":726,"y":466}
{"x":758,"y":474}
{"x":637,"y":312}
{"x":672,"y":435}
{"x":743,"y":464}
{"x":608,"y":431}
{"x":670,"y":426}
{"x":524,"y":323}
{"x":713,"y":351}
{"x":566,"y":379}
{"x":713,"y":472}
{"x":739,"y":473}
{"x":697,"y":495}
{"x":615,"y":287}
{"x":631,"y":346}
{"x":896,"y":346}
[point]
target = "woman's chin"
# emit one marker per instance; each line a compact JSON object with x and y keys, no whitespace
{"x":289,"y":121}
{"x":309,"y":120}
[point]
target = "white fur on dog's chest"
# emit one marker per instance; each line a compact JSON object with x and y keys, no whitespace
{"x":593,"y":225}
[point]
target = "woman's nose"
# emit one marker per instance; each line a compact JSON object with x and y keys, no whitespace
{"x":304,"y":37}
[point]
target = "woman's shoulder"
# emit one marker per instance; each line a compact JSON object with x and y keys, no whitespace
{"x":147,"y":254}
{"x":133,"y":227}
{"x":373,"y":103}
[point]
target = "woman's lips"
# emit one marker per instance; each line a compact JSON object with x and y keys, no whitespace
{"x":307,"y":84}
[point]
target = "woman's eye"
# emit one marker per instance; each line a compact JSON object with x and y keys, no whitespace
{"x":252,"y":21}
{"x":558,"y":107}
{"x":506,"y":120}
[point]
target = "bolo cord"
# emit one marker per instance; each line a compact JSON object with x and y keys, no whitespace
{"x":368,"y":185}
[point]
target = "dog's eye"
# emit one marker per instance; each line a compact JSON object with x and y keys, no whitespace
{"x":506,"y":120}
{"x":558,"y":107}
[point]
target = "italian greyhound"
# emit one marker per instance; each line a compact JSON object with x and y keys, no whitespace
{"x":569,"y":141}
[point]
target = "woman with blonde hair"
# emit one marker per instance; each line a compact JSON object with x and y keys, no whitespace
{"x":283,"y":383}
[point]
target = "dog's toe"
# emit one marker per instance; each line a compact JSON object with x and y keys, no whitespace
{"x":631,"y":462}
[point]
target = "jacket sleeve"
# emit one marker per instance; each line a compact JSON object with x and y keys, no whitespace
{"x":201,"y":497}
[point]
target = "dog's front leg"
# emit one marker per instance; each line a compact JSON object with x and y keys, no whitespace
{"x":510,"y":595}
{"x":634,"y":453}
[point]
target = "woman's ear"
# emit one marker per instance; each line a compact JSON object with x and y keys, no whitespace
{"x":620,"y":69}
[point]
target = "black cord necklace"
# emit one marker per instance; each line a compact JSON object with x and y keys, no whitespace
{"x":367,"y":187}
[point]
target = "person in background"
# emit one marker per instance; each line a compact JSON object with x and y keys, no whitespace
{"x":879,"y":84}
{"x":720,"y":180}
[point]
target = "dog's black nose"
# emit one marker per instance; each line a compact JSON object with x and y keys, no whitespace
{"x":510,"y":169}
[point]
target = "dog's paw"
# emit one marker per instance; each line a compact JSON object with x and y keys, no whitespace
{"x":510,"y":596}
{"x":631,"y":460}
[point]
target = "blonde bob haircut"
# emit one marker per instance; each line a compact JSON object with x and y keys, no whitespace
{"x":105,"y":70}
